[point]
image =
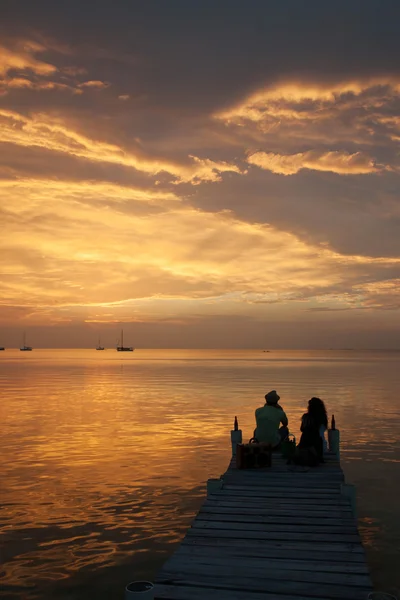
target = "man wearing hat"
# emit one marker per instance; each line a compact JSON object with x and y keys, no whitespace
{"x":269,"y":418}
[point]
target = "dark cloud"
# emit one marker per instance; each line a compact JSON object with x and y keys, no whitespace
{"x":203,"y":55}
{"x":357,"y":216}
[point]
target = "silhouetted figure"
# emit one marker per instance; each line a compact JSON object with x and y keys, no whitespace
{"x":313,"y":426}
{"x":269,"y":418}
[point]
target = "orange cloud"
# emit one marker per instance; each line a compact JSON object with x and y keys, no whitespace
{"x":341,"y":163}
{"x":272,"y":100}
{"x":294,"y":113}
{"x":22,"y":83}
{"x":34,"y":73}
{"x":22,"y":57}
{"x":43,"y":131}
{"x":105,"y":252}
{"x":95,"y":84}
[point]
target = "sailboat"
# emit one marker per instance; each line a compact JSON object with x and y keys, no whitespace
{"x":99,"y":346}
{"x":2,"y":348}
{"x":24,"y":347}
{"x":123,"y":348}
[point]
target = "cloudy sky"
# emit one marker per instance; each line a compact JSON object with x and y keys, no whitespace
{"x":208,"y":173}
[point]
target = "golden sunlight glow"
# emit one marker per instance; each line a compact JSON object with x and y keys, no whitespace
{"x":254,"y":106}
{"x":342,"y":163}
{"x":52,"y":134}
{"x":289,"y":114}
{"x":86,"y":243}
{"x":121,"y":245}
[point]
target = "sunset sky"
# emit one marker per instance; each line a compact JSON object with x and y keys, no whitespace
{"x":210,"y":174}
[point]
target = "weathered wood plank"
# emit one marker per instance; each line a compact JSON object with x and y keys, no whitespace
{"x":282,"y":484}
{"x":283,"y":524}
{"x":272,"y":492}
{"x":254,"y":496}
{"x":180,"y":564}
{"x":226,"y":508}
{"x":328,"y":456}
{"x":284,"y":471}
{"x":328,"y":470}
{"x":230,"y":581}
{"x":181,"y":592}
{"x":282,"y":490}
{"x":245,"y":530}
{"x":283,"y":538}
{"x":273,"y":505}
{"x":304,"y":480}
{"x":273,"y":549}
{"x":258,"y":558}
{"x":298,"y":472}
{"x":281,"y":464}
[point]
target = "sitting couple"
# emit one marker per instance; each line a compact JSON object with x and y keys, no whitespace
{"x":272,"y":427}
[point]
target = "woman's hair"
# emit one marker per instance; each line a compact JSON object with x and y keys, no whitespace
{"x":317,"y":411}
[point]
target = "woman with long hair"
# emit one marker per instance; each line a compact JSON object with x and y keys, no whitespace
{"x":313,"y":426}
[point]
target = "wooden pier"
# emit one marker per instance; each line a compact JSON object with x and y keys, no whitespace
{"x":280,"y":533}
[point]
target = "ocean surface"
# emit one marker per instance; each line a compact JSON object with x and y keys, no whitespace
{"x":105,"y":456}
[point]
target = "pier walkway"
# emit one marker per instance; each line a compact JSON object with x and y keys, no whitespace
{"x":281,"y":533}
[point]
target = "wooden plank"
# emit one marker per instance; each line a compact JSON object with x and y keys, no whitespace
{"x":282,"y":524}
{"x":277,"y":454}
{"x":297,"y":470}
{"x":279,"y":507}
{"x":267,"y":487}
{"x":245,"y":498}
{"x":279,"y":483}
{"x":287,"y":550}
{"x":281,"y":463}
{"x":181,"y":592}
{"x":278,"y":467}
{"x":325,"y":475}
{"x":285,"y":481}
{"x":327,"y":471}
{"x":340,"y":544}
{"x":284,"y":471}
{"x":181,"y":564}
{"x":230,"y":582}
{"x":254,"y":558}
{"x":245,"y":530}
{"x":322,"y":504}
{"x":334,"y":516}
{"x":282,"y":492}
{"x":265,"y":516}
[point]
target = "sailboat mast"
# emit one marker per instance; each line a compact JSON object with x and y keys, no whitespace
{"x":122,"y":338}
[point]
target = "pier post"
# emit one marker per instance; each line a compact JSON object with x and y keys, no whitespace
{"x":236,"y":436}
{"x":334,"y":438}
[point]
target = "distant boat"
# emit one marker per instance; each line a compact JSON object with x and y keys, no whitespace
{"x":123,"y":348}
{"x":24,"y":347}
{"x":2,"y":348}
{"x":99,"y":346}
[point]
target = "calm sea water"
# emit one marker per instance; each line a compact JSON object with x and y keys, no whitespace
{"x":105,"y":456}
